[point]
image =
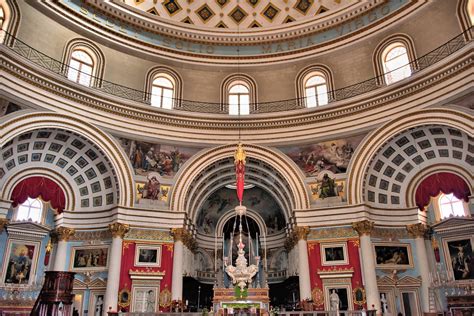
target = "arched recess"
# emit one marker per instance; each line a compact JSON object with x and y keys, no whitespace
{"x":11,"y":20}
{"x":243,"y":79}
{"x":279,"y":161}
{"x":11,"y":127}
{"x":170,"y":74}
{"x":250,"y":213}
{"x":453,"y":116}
{"x":309,"y":71}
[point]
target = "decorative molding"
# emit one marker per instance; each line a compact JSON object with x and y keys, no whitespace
{"x":119,"y":230}
{"x":332,"y":233}
{"x":146,"y":274}
{"x":417,"y":230}
{"x":335,"y":273}
{"x":301,"y":233}
{"x":149,"y":234}
{"x":364,"y":227}
{"x":181,"y":234}
{"x":62,"y":233}
{"x":30,"y":230}
{"x":94,"y":235}
{"x":389,"y":233}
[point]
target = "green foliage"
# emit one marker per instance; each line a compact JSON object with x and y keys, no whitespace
{"x":240,"y":293}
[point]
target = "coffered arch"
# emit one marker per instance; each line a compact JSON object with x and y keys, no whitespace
{"x":213,"y":168}
{"x":100,"y":143}
{"x":454,"y":118}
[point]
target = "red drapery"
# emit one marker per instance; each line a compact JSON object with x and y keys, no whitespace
{"x":444,"y":182}
{"x":34,"y":187}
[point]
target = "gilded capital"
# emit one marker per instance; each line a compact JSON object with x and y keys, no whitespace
{"x":63,"y":233}
{"x":364,"y":227}
{"x":3,"y":222}
{"x":417,"y":230}
{"x":179,"y":234}
{"x":119,"y":229}
{"x":302,"y":232}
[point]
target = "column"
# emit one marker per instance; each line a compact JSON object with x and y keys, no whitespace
{"x":364,"y":228}
{"x":303,"y":263}
{"x":177,"y":276}
{"x":417,"y":231}
{"x":61,"y":235}
{"x":118,"y":231}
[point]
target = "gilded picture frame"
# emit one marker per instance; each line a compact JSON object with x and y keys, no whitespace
{"x":89,"y":258}
{"x":393,"y":255}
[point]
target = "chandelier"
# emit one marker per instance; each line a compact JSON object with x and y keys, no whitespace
{"x":242,"y":273}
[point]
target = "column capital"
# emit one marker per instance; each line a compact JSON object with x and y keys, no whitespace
{"x":417,"y":230}
{"x":364,"y":227}
{"x":3,"y":223}
{"x":178,"y":234}
{"x":302,"y":232}
{"x":119,"y":229}
{"x":62,"y":233}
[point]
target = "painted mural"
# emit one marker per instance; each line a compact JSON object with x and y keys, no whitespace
{"x":150,"y":157}
{"x":333,"y":156}
{"x":223,"y":200}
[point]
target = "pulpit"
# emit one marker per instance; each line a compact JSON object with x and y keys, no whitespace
{"x":56,"y":295}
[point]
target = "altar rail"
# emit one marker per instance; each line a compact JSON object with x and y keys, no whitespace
{"x":288,"y":313}
{"x":39,"y":58}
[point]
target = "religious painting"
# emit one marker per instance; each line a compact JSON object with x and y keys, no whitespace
{"x":147,"y":157}
{"x":393,"y":256}
{"x":327,"y":186}
{"x":334,"y":254}
{"x":333,"y":156}
{"x":124,"y":298}
{"x":255,"y":199}
{"x":359,"y":296}
{"x":20,"y":262}
{"x":89,"y":258}
{"x":460,"y":258}
{"x":145,"y":298}
{"x":147,"y":256}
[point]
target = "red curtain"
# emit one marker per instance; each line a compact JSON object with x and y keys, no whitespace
{"x":34,"y":187}
{"x":444,"y":182}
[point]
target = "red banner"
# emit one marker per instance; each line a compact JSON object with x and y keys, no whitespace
{"x":240,"y":174}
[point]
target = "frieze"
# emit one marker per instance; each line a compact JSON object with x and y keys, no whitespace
{"x":92,"y":235}
{"x":389,"y":233}
{"x":149,"y":234}
{"x":332,"y":233}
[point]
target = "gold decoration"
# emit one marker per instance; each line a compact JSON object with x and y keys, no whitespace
{"x":62,"y":234}
{"x":240,"y":154}
{"x":49,"y":247}
{"x":355,"y":242}
{"x":119,"y":229}
{"x":178,"y":234}
{"x":417,"y":230}
{"x":332,"y":233}
{"x":317,"y":296}
{"x":149,"y":234}
{"x":124,"y":298}
{"x":302,"y":232}
{"x":358,"y":295}
{"x":364,"y":227}
{"x":165,"y":298}
{"x":3,"y":222}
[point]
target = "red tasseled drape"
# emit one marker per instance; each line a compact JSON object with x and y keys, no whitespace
{"x":240,"y":174}
{"x":34,"y":187}
{"x":444,"y":182}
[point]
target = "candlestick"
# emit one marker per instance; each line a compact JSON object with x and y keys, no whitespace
{"x":215,"y":251}
{"x":257,"y":244}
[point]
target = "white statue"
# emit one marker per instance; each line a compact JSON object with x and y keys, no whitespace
{"x":99,"y":305}
{"x":334,"y":301}
{"x":150,"y":301}
{"x":383,"y":303}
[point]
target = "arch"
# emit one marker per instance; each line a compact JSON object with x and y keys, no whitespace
{"x":14,"y":126}
{"x":236,"y":79}
{"x":307,"y":73}
{"x":454,"y":117}
{"x":465,"y":13}
{"x":171,"y":75}
{"x":278,"y":160}
{"x":382,"y":49}
{"x":89,"y":47}
{"x":250,"y":213}
{"x":11,"y":21}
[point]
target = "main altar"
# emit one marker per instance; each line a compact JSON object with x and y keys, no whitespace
{"x":255,"y":301}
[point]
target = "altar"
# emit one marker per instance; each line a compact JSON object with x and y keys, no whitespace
{"x":255,"y":300}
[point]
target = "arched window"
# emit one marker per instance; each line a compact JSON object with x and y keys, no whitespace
{"x":30,"y":210}
{"x":316,"y":90}
{"x":449,"y":206}
{"x":396,"y":64}
{"x":162,"y":91}
{"x":81,"y":67}
{"x":239,"y":99}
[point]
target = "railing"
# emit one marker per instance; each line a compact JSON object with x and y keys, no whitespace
{"x":60,"y":68}
{"x":288,"y":313}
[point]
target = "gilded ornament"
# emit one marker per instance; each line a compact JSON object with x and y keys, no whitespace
{"x":364,"y":227}
{"x":165,"y":298}
{"x":62,"y":233}
{"x":3,"y":222}
{"x":417,"y":230}
{"x":178,"y":234}
{"x":317,"y":296}
{"x":302,"y":232}
{"x":359,"y":296}
{"x":119,"y":229}
{"x":240,"y":154}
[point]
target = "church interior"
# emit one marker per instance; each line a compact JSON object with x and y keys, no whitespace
{"x":237,"y":157}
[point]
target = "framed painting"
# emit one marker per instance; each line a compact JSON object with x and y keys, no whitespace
{"x":145,"y":299}
{"x":393,"y":255}
{"x":338,"y":297}
{"x":459,"y":257}
{"x":20,"y":262}
{"x":148,"y":255}
{"x":124,"y":298}
{"x":334,"y":254}
{"x":89,"y":258}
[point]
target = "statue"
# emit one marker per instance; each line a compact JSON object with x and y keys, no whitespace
{"x":383,"y":303}
{"x":334,"y":301}
{"x":327,"y":187}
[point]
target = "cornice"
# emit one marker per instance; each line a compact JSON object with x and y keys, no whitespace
{"x":288,"y":126}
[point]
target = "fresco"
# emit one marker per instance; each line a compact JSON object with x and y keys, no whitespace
{"x":223,"y":200}
{"x":149,"y":157}
{"x":333,"y":156}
